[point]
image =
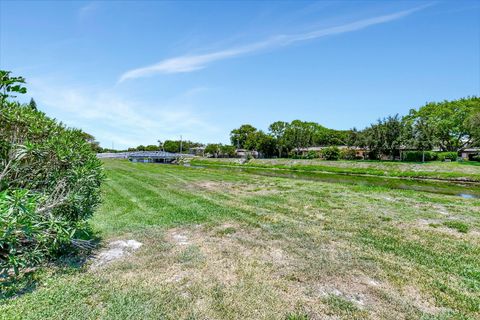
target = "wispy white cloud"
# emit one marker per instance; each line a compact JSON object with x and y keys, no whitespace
{"x":189,"y":63}
{"x":87,"y":10}
{"x":111,"y":118}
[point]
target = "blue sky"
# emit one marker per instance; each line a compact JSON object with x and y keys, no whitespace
{"x":134,"y":72}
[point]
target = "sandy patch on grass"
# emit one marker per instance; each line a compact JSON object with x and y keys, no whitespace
{"x":178,"y":237}
{"x":437,"y":225}
{"x":369,"y":295}
{"x":116,"y":250}
{"x":423,"y":303}
{"x":213,"y":185}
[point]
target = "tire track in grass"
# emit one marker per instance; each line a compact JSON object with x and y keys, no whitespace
{"x":448,"y":270}
{"x":236,"y":207}
{"x":121,"y":203}
{"x":179,"y":206}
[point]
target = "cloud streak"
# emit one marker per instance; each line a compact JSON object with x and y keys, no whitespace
{"x":189,"y":63}
{"x":87,"y":10}
{"x":101,"y":112}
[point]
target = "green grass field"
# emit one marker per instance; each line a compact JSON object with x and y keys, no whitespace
{"x":226,"y":244}
{"x":453,"y":171}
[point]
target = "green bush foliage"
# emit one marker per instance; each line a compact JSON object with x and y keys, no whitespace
{"x":417,"y":156}
{"x":348,"y":154}
{"x":49,"y":186}
{"x":27,"y":237}
{"x":452,"y":156}
{"x":330,"y":153}
{"x":312,"y":155}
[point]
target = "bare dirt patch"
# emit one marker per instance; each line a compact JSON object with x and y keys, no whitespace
{"x":178,"y":237}
{"x":116,"y":250}
{"x":438,"y":225}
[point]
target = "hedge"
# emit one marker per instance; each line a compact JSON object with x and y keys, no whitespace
{"x":452,"y":156}
{"x":49,"y":186}
{"x":418,"y":156}
{"x":330,"y":153}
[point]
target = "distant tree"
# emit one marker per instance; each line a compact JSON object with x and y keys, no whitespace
{"x":174,"y":145}
{"x":338,"y":137}
{"x":300,"y":134}
{"x":473,"y":124}
{"x":190,"y":144}
{"x":239,"y":137}
{"x":451,"y":121}
{"x":419,"y":134}
{"x":322,"y":136}
{"x":171,"y":146}
{"x":353,"y":138}
{"x":213,"y":149}
{"x":261,"y":142}
{"x":90,"y":140}
{"x":141,"y":148}
{"x":385,"y":137}
{"x":152,"y":147}
{"x":277,"y":131}
{"x":227,"y":151}
{"x":32,"y":104}
{"x":392,"y":135}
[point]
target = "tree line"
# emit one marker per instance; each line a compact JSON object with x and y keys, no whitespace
{"x":450,"y":126}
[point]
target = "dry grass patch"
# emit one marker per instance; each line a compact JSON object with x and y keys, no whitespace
{"x":239,"y":188}
{"x":233,"y":271}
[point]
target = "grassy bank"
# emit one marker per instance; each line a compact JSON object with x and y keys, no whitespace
{"x":454,"y":171}
{"x":230,"y":245}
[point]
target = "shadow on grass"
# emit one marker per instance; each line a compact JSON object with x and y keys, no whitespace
{"x":70,"y":259}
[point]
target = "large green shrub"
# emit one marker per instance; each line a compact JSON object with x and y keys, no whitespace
{"x":418,"y":156}
{"x":49,"y":186}
{"x":348,"y":154}
{"x":311,"y":155}
{"x":452,"y":156}
{"x":330,"y":153}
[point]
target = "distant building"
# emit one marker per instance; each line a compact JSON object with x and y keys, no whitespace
{"x":197,"y":151}
{"x":243,"y":153}
{"x":469,"y":153}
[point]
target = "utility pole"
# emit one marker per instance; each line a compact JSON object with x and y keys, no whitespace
{"x":160,"y":145}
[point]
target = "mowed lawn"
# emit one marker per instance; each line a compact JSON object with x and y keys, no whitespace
{"x":454,"y":171}
{"x":222,"y":244}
